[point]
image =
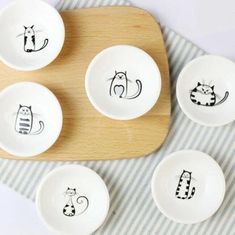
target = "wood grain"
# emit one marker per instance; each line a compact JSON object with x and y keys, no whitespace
{"x":86,"y":134}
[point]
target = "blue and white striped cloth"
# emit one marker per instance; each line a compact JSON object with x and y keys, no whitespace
{"x":133,"y":211}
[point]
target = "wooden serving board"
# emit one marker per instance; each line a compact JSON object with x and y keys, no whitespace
{"x":86,"y":134}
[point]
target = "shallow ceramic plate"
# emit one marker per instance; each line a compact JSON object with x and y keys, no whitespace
{"x":32,"y":34}
{"x":188,"y":186}
{"x":123,"y":82}
{"x":31,"y":119}
{"x":206,"y":90}
{"x":73,"y":200}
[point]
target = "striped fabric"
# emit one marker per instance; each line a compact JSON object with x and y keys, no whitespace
{"x":133,"y":211}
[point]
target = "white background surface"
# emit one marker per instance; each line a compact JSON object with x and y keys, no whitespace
{"x":209,"y":24}
{"x":18,"y":215}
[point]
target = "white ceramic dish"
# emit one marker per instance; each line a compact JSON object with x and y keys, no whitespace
{"x":31,"y":119}
{"x":123,"y":82}
{"x":206,"y":90}
{"x":188,"y":186}
{"x":73,"y":199}
{"x":32,"y":34}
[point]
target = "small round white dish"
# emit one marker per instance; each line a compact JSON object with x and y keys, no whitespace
{"x":32,"y":34}
{"x":206,"y":90}
{"x":123,"y":82}
{"x":31,"y":119}
{"x":73,"y":199}
{"x":188,"y":186}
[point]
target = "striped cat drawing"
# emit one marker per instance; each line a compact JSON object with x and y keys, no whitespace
{"x":204,"y":95}
{"x":77,"y":206}
{"x":183,"y":190}
{"x":24,"y":121}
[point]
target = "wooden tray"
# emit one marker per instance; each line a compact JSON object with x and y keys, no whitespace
{"x":86,"y":134}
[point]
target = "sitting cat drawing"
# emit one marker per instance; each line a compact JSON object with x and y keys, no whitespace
{"x":24,"y":121}
{"x":30,"y":41}
{"x":183,"y":190}
{"x":80,"y":206}
{"x":119,"y":86}
{"x":204,"y":95}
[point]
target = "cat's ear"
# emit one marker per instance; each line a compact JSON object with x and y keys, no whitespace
{"x":212,"y":88}
{"x":125,"y":72}
{"x":30,"y":107}
{"x":32,"y":26}
{"x":20,"y":106}
{"x":116,"y":72}
{"x":25,"y":27}
{"x":199,"y":84}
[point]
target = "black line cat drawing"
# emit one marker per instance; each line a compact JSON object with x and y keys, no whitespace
{"x":119,"y":86}
{"x":30,"y":40}
{"x":24,"y":121}
{"x":183,"y":190}
{"x":80,"y":206}
{"x":204,"y":95}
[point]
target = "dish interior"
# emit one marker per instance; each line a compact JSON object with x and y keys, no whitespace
{"x":32,"y":34}
{"x":205,"y":182}
{"x":206,"y":90}
{"x":31,"y":119}
{"x":91,"y":201}
{"x":123,"y":82}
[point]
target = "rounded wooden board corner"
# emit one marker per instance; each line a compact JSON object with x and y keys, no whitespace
{"x":86,"y":135}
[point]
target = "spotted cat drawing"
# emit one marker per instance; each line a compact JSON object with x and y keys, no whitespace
{"x":183,"y":190}
{"x":76,"y":204}
{"x":25,"y":120}
{"x":119,"y":86}
{"x":205,"y":95}
{"x":30,"y":42}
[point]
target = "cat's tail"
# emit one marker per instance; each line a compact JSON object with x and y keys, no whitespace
{"x":84,"y":203}
{"x":46,"y":41}
{"x":225,"y":98}
{"x":39,"y":131}
{"x":139,"y":84}
{"x":192,"y":193}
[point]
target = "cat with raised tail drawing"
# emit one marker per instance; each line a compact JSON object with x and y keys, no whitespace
{"x":183,"y":190}
{"x":24,"y":121}
{"x":119,"y":86}
{"x":77,"y":206}
{"x":30,"y":41}
{"x":204,"y":95}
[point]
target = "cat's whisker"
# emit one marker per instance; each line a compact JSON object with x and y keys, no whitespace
{"x":36,"y":115}
{"x":20,"y":35}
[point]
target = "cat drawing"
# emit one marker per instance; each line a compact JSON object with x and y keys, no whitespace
{"x":76,"y":206}
{"x":183,"y":190}
{"x":204,"y":95}
{"x":30,"y":41}
{"x":119,"y":86}
{"x":24,"y":121}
